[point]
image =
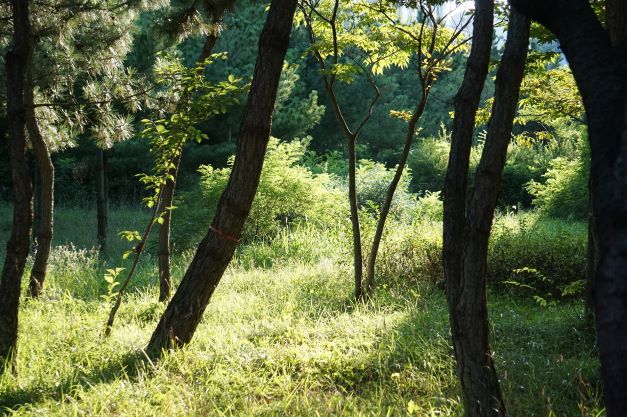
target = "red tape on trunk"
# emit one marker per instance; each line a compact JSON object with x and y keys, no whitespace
{"x":224,"y":235}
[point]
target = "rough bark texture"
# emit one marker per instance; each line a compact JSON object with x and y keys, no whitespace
{"x":167,"y":196}
{"x":616,"y":16}
{"x":466,"y":292}
{"x":17,"y":61}
{"x":102,"y":201}
{"x":483,"y":397}
{"x":598,"y":67}
{"x":46,"y":193}
{"x":179,"y":321}
{"x":456,"y":181}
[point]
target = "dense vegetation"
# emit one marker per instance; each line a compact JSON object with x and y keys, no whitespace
{"x":303,"y":207}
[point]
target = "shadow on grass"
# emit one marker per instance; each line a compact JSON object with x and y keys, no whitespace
{"x":129,"y":366}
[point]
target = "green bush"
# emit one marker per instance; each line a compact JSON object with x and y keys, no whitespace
{"x":373,"y":180}
{"x":546,"y":254}
{"x":288,"y":194}
{"x":429,"y":207}
{"x":564,"y":193}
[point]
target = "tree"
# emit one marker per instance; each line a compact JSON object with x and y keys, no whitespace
{"x":467,"y":226}
{"x":18,"y":59}
{"x":178,"y":323}
{"x":433,"y":44}
{"x":597,"y":58}
{"x":82,"y":42}
{"x":217,"y":11}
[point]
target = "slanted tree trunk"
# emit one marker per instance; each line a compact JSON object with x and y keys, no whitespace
{"x":179,"y":321}
{"x":167,"y":196}
{"x":36,"y":202}
{"x":46,"y":193}
{"x":102,"y":200}
{"x":389,"y":196}
{"x":18,"y":60}
{"x":598,"y":66}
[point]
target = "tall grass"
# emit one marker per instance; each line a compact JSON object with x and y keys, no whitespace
{"x":282,"y":336}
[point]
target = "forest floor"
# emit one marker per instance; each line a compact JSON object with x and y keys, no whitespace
{"x":282,"y":338}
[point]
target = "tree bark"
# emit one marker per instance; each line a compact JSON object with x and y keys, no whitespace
{"x":46,"y":197}
{"x":466,"y":238}
{"x":102,"y":200}
{"x":36,"y":202}
{"x":165,"y":275}
{"x":470,"y":309}
{"x":599,"y":70}
{"x":358,"y":262}
{"x":179,"y":321}
{"x":18,"y":60}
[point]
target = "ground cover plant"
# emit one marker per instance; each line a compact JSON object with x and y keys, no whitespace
{"x":284,"y":337}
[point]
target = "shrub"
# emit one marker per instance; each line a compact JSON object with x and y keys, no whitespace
{"x":429,"y":207}
{"x":288,"y":194}
{"x":373,"y":180}
{"x":564,"y":194}
{"x":547,"y":254}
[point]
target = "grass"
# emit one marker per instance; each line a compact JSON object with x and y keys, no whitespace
{"x":280,"y":337}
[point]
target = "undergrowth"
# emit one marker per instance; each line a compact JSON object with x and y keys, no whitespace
{"x":282,"y":336}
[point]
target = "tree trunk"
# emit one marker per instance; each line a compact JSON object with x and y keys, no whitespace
{"x":46,"y":197}
{"x":599,"y":70}
{"x":467,"y":308}
{"x":179,"y":321}
{"x":18,"y":60}
{"x":352,"y":197}
{"x":592,"y":257}
{"x":389,"y":196}
{"x":102,"y":201}
{"x":165,"y":275}
{"x":470,"y":309}
{"x":36,"y":202}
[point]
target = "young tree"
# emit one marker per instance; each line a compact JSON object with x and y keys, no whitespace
{"x":432,"y":44}
{"x":597,"y":57}
{"x":330,"y":33}
{"x":183,"y":313}
{"x":217,"y":10}
{"x":18,"y":59}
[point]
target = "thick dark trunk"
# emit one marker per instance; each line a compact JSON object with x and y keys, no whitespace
{"x":358,"y":261}
{"x":17,"y":62}
{"x":102,"y":203}
{"x":456,"y":181}
{"x":600,"y":75}
{"x":179,"y":321}
{"x":46,"y":197}
{"x":592,"y":257}
{"x":167,"y":196}
{"x":465,"y":238}
{"x":471,"y":311}
{"x":389,"y":196}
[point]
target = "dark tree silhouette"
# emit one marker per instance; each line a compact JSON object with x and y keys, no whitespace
{"x":467,"y":227}
{"x":18,"y":59}
{"x":598,"y":59}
